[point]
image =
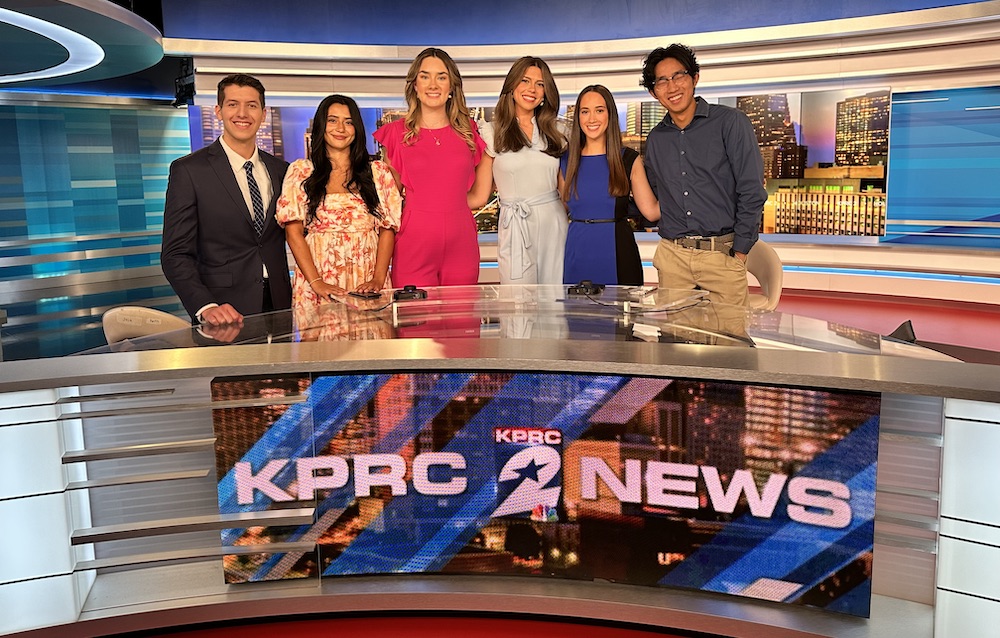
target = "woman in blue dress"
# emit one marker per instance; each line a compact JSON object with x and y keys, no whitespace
{"x":599,"y":176}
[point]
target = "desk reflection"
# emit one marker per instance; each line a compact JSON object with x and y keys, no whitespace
{"x":337,"y":321}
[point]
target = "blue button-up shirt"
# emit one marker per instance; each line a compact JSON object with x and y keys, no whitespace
{"x":708,"y":177}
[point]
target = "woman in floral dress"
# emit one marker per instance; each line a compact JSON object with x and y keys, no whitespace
{"x":340,"y":210}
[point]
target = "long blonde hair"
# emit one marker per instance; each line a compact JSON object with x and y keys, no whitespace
{"x":457,"y":111}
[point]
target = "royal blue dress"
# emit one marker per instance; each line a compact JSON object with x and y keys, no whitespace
{"x":600,"y":244}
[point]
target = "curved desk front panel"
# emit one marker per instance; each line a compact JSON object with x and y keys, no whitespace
{"x":426,"y":440}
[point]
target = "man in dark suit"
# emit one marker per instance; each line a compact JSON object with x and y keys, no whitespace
{"x":223,"y":253}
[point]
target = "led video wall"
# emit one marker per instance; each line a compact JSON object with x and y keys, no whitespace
{"x":748,"y":490}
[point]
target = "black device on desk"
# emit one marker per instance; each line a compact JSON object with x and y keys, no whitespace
{"x":365,"y":294}
{"x":585,"y":287}
{"x":409,"y":292}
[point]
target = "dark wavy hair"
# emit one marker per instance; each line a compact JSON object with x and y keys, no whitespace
{"x":507,"y":134}
{"x":681,"y":53}
{"x":618,"y":180}
{"x":361,"y":178}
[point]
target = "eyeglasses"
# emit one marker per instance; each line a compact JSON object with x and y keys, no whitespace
{"x":677,"y":78}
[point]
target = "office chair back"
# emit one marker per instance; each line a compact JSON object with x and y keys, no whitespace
{"x":765,"y":265}
{"x":129,"y":322}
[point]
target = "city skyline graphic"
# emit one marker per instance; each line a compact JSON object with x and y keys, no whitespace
{"x":556,"y":475}
{"x":824,"y":153}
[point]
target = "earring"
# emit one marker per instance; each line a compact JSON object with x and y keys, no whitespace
{"x":542,"y":103}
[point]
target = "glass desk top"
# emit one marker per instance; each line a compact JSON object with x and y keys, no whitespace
{"x":618,"y":313}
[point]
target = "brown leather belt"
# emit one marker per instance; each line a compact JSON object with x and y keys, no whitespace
{"x":721,"y":243}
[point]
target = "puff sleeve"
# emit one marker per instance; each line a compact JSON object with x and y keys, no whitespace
{"x":293,"y":203}
{"x":390,"y":137}
{"x":391,"y":202}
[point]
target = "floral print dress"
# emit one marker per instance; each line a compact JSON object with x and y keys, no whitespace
{"x":343,"y":236}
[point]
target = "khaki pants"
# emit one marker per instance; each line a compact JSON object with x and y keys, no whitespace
{"x":723,"y":276}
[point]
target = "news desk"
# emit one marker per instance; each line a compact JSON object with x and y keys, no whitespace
{"x":624,"y":455}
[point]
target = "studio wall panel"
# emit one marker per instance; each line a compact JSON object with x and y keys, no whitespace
{"x":81,"y":211}
{"x":944,"y":154}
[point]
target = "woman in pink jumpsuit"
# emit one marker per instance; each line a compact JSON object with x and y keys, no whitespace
{"x":433,"y":153}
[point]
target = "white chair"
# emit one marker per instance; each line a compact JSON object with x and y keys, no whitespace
{"x":765,"y":265}
{"x":129,"y":322}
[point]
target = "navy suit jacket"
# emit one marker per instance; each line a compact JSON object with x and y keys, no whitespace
{"x":211,"y":252}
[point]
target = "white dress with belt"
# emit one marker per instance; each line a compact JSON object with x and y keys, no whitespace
{"x":531,"y":232}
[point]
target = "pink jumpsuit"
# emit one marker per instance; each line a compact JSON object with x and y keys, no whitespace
{"x":437,"y":243}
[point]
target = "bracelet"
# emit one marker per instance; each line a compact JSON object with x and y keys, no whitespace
{"x":312,"y":281}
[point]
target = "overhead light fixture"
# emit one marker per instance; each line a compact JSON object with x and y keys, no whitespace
{"x":84,"y":53}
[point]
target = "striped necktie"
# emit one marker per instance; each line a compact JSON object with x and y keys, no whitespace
{"x":258,"y":201}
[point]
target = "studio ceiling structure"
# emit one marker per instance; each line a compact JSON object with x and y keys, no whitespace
{"x":51,"y":42}
{"x":304,"y":50}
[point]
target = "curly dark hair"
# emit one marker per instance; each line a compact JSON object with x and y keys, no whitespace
{"x":681,"y":53}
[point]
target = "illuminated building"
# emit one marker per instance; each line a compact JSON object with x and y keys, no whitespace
{"x":787,"y":428}
{"x":830,"y":201}
{"x":772,"y":124}
{"x":269,"y":136}
{"x":606,"y":505}
{"x":862,"y":137}
{"x":863,"y":337}
{"x":389,"y":116}
{"x":211,"y":127}
{"x":640,"y":118}
{"x":714,"y":417}
{"x":480,"y":114}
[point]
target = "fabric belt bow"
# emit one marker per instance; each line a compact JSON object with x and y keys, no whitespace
{"x":514,"y":214}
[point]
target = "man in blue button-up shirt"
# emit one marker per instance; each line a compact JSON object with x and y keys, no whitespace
{"x":705,"y":167}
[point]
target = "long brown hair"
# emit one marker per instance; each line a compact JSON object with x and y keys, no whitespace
{"x":458,"y":112}
{"x":508,"y":136}
{"x":618,"y":181}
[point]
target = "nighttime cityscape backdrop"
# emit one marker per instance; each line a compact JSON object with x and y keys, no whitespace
{"x":824,"y":153}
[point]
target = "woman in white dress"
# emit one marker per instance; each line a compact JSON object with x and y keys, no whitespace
{"x":523,"y":145}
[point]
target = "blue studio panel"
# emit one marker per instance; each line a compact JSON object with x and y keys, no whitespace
{"x":944,"y":158}
{"x":81,"y":200}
